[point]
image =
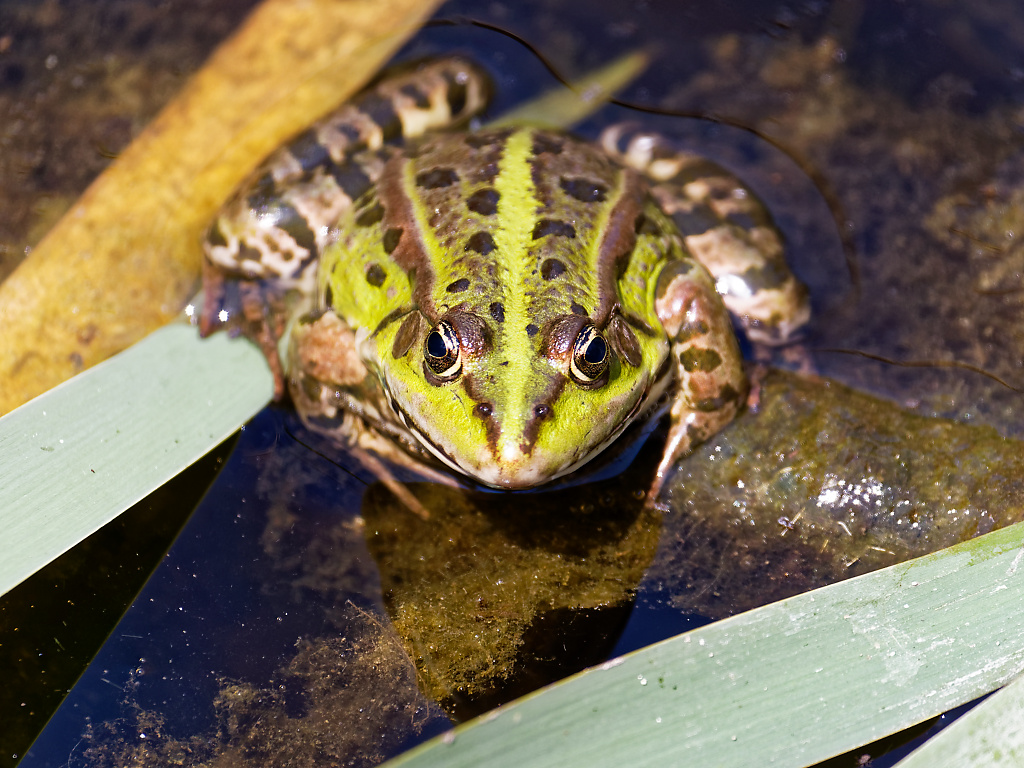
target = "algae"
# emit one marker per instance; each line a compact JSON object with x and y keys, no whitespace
{"x":346,"y":700}
{"x":498,"y":594}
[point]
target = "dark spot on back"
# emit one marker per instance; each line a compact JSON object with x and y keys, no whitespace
{"x":458,"y":286}
{"x":486,"y":173}
{"x":769,"y":275}
{"x":551,"y":268}
{"x":351,"y":133}
{"x":696,"y":221}
{"x":699,"y":360}
{"x":375,"y":275}
{"x":497,"y":311}
{"x":584,"y":190}
{"x":372,"y":215}
{"x":578,"y":309}
{"x":543,"y":142}
{"x":553,"y":227}
{"x":486,"y":139}
{"x":645,"y":226}
{"x":726,"y":395}
{"x":391,"y":239}
{"x":436,"y":178}
{"x":263,"y":189}
{"x":481,"y":242}
{"x":484,"y":202}
{"x":215,"y":236}
{"x":307,"y":149}
{"x":483,"y":410}
{"x":742,"y":220}
{"x":456,"y":94}
{"x":263,"y":195}
{"x":691,"y":330}
{"x":531,"y":330}
{"x":382,"y":112}
{"x":416,"y":94}
{"x":542,"y":411}
{"x":329,"y":297}
{"x":352,"y":180}
{"x":292,"y":222}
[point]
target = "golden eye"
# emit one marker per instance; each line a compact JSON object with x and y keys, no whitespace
{"x":441,"y":351}
{"x":589,"y":364}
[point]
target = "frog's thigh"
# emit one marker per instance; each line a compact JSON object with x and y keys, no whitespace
{"x":709,"y":368}
{"x":730,"y":232}
{"x":726,"y":227}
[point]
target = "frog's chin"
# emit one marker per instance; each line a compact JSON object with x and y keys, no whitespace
{"x":510,"y":469}
{"x":507,"y":476}
{"x":515,"y":470}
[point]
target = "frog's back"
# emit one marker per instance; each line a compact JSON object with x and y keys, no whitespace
{"x":515,"y":226}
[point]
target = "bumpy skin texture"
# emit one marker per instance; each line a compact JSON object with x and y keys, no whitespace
{"x":506,"y":301}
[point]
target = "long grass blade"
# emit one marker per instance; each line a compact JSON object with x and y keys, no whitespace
{"x":77,"y":456}
{"x":989,"y":736}
{"x":786,"y":685}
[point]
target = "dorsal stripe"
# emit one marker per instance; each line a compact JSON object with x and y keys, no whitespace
{"x":516,"y":205}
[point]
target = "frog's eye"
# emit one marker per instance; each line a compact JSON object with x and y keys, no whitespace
{"x":589,"y":364}
{"x":441,"y":351}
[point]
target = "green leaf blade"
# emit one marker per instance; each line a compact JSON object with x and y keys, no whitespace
{"x":989,"y":736}
{"x":76,"y":457}
{"x":789,"y":684}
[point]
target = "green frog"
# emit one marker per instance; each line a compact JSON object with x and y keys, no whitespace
{"x":504,"y":301}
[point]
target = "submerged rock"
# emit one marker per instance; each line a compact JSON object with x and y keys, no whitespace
{"x":822,"y":484}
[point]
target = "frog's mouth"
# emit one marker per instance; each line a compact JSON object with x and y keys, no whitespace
{"x":516,"y":464}
{"x":511,"y":470}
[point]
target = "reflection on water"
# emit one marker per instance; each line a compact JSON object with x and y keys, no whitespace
{"x":271,"y":635}
{"x":498,"y":594}
{"x":305,"y":616}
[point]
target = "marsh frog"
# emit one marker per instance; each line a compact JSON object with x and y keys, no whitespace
{"x":505,"y":301}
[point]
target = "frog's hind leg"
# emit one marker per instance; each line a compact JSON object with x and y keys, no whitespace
{"x":262,"y":251}
{"x":726,"y":227}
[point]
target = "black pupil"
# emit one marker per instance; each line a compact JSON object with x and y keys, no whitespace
{"x":436,"y":346}
{"x":596,"y":351}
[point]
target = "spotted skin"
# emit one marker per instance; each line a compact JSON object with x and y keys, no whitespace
{"x":726,"y":227}
{"x":262,"y":251}
{"x":507,"y":301}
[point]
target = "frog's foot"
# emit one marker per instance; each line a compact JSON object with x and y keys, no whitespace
{"x":795,"y":357}
{"x":757,"y":371}
{"x":336,"y":395}
{"x":246,"y":307}
{"x":689,"y":429}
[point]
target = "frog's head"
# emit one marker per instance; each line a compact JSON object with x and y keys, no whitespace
{"x":513,"y":412}
{"x":518,"y":272}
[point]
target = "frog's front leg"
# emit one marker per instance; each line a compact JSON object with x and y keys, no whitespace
{"x":337,"y":395}
{"x":726,"y":227}
{"x":709,"y":368}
